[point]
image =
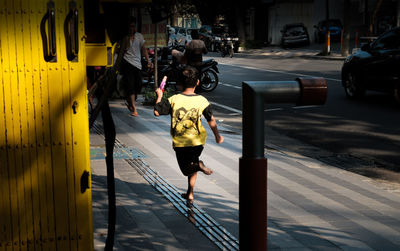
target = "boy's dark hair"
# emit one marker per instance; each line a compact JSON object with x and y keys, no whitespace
{"x":190,"y":77}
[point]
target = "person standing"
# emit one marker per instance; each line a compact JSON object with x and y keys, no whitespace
{"x":133,"y":47}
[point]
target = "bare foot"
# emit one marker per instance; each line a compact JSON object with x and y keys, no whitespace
{"x":188,"y":198}
{"x":134,"y":112}
{"x":204,"y":169}
{"x":130,"y":108}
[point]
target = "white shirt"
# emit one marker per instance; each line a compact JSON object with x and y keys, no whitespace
{"x":133,"y":55}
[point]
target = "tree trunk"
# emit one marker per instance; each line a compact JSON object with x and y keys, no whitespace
{"x":373,"y":16}
{"x":240,"y":22}
{"x":327,"y":38}
{"x":346,"y":28}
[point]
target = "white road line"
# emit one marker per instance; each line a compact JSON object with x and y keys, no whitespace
{"x":227,"y":107}
{"x":273,"y":109}
{"x":305,"y":107}
{"x":236,"y":111}
{"x":229,"y":85}
{"x":282,"y":72}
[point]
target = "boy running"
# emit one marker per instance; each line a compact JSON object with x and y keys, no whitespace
{"x":187,"y":131}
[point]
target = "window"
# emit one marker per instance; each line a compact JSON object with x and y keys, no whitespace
{"x":388,"y":41}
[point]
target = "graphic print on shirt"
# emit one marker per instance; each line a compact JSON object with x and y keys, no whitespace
{"x":185,"y":122}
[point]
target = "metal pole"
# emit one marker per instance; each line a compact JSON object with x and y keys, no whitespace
{"x":253,"y":164}
{"x":155,"y":57}
{"x":327,"y":35}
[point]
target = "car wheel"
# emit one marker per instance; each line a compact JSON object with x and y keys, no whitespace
{"x":351,"y":86}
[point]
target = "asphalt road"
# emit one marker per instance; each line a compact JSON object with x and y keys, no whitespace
{"x":361,"y":135}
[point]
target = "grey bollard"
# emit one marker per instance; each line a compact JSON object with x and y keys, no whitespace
{"x":253,"y":164}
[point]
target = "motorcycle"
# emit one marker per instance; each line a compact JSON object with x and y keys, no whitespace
{"x":168,"y":66}
{"x":208,"y":75}
{"x":227,"y":47}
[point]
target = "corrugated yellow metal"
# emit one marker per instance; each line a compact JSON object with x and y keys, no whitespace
{"x":48,"y":236}
{"x":40,"y":214}
{"x":12,"y":125}
{"x":69,"y":190}
{"x":5,"y":220}
{"x":23,"y":167}
{"x":81,"y":140}
{"x":44,"y":143}
{"x":27,"y":114}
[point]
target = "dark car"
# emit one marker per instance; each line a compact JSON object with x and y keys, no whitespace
{"x":294,"y":35}
{"x":335,"y":28}
{"x":212,"y":40}
{"x":375,"y":67}
{"x":213,"y":35}
{"x":225,"y":33}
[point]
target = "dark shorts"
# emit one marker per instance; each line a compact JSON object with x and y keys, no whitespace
{"x":131,"y":77}
{"x":188,"y":158}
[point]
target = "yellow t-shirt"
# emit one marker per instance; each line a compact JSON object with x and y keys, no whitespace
{"x":186,"y":127}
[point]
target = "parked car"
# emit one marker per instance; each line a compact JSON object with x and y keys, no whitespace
{"x":183,"y":35}
{"x":212,"y":40}
{"x":335,"y":28}
{"x":294,"y":35}
{"x":374,"y":67}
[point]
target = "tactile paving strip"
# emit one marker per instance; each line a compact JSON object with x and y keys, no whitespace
{"x":119,"y":153}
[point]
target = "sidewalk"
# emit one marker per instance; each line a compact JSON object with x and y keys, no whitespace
{"x":311,"y":206}
{"x":312,"y":51}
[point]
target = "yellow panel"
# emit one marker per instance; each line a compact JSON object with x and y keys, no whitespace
{"x":39,"y":203}
{"x":44,"y":145}
{"x":67,"y":175}
{"x":24,"y":80}
{"x":28,"y":135}
{"x":57,"y":105}
{"x":13,"y":132}
{"x":81,"y":140}
{"x":43,"y":136}
{"x":98,"y":55}
{"x":5,"y":219}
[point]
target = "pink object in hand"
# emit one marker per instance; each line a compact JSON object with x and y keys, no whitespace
{"x":163,"y":82}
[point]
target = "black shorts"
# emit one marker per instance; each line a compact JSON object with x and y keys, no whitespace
{"x":188,"y":158}
{"x":131,"y":77}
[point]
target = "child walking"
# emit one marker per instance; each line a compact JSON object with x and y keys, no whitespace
{"x":187,"y":131}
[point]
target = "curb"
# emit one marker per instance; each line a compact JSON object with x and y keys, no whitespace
{"x":312,"y":54}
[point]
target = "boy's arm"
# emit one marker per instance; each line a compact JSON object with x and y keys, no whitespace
{"x":162,"y":107}
{"x":213,"y":125}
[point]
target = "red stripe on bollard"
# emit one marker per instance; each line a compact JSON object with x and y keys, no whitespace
{"x":314,"y":91}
